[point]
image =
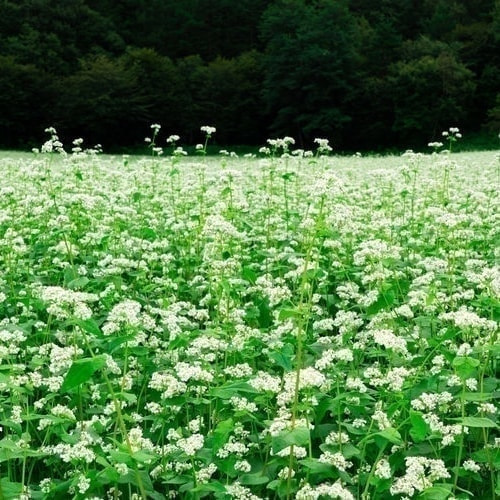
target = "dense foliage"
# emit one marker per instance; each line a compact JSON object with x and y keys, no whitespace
{"x":367,"y":73}
{"x":296,"y":327}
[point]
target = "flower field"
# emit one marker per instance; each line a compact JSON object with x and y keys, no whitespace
{"x":293,"y":326}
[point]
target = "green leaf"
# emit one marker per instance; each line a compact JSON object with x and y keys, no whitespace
{"x":221,"y":433}
{"x":419,"y":427}
{"x":465,"y":366}
{"x":70,"y":275}
{"x":389,"y":435}
{"x":476,"y":422}
{"x":89,"y":326}
{"x":231,"y":389}
{"x":78,"y":283}
{"x":148,"y":234}
{"x":488,"y":455}
{"x":289,"y":313}
{"x":81,"y":370}
{"x":283,"y":358}
{"x":476,"y":396}
{"x":297,"y":437}
{"x":9,"y":490}
{"x":253,"y":479}
{"x":437,"y":492}
{"x":212,"y":486}
{"x":315,"y":466}
{"x":249,"y":274}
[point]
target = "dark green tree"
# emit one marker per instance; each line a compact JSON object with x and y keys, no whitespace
{"x":311,"y":59}
{"x":102,"y":102}
{"x":26,"y":98}
{"x":54,"y":35}
{"x":431,"y":90}
{"x":230,"y":96}
{"x":161,"y":87}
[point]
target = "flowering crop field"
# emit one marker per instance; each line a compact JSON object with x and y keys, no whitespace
{"x":296,"y":326}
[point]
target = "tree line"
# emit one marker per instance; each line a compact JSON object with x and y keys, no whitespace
{"x":368,"y":74}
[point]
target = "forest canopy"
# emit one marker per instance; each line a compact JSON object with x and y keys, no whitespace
{"x":368,"y":74}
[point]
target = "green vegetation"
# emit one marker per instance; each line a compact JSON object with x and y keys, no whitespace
{"x":370,"y":75}
{"x":293,"y":326}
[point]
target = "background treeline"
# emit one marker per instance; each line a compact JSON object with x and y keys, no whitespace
{"x":368,"y":74}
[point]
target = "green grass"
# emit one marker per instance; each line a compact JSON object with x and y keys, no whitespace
{"x":274,"y":327}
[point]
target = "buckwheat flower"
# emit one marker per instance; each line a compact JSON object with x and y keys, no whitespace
{"x":121,"y":468}
{"x":324,"y":490}
{"x":242,"y":466}
{"x":83,"y":484}
{"x":359,"y":423}
{"x":330,"y":356}
{"x":195,"y":424}
{"x":265,"y":382}
{"x":123,"y":314}
{"x":453,"y":381}
{"x":233,"y":447}
{"x":389,"y":340}
{"x":471,"y":384}
{"x":373,"y":376}
{"x":464,"y":350}
{"x":53,"y":383}
{"x":355,"y":384}
{"x":155,"y":127}
{"x":323,"y":325}
{"x":438,"y":363}
{"x":239,"y":371}
{"x":16,"y":414}
{"x":239,"y":492}
{"x":421,"y":472}
{"x":203,"y":475}
{"x":368,"y":298}
{"x":63,"y":412}
{"x":395,"y":377}
{"x":179,"y":151}
{"x":208,"y":130}
{"x":472,"y":466}
{"x":171,"y":139}
{"x":298,"y":452}
{"x":382,"y":419}
{"x":46,"y":485}
{"x":347,"y":321}
{"x":112,"y":365}
{"x":429,"y":401}
{"x":242,"y":404}
{"x":336,"y":459}
{"x":487,"y":408}
{"x":383,"y":469}
{"x":191,"y":444}
{"x":337,"y":438}
{"x":404,"y":311}
{"x":186,"y":372}
{"x":463,"y":318}
{"x":167,"y":383}
{"x":323,"y":146}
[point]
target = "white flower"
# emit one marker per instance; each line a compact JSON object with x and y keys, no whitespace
{"x":383,"y":469}
{"x":191,"y":444}
{"x":172,"y":139}
{"x":470,"y":465}
{"x":208,"y":130}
